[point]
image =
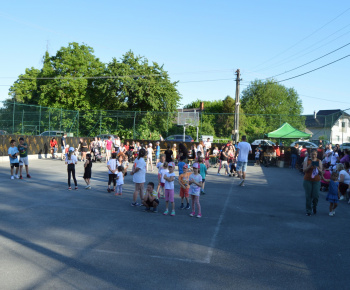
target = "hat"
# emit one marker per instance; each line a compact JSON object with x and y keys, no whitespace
{"x":195,"y":165}
{"x":71,"y":149}
{"x":185,"y":166}
{"x":150,"y":144}
{"x":171,"y":164}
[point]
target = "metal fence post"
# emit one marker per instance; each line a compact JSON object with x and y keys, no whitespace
{"x":133,"y":133}
{"x":13,"y":116}
{"x":78,"y":124}
{"x":49,"y":121}
{"x":100,"y":120}
{"x":61,"y":120}
{"x":22,"y":121}
{"x":40,"y":120}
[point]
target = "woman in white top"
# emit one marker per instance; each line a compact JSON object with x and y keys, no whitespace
{"x":344,"y":179}
{"x":71,"y":160}
{"x":149,"y":157}
{"x":139,"y":176}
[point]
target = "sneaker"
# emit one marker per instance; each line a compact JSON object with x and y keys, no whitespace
{"x":218,"y":173}
{"x":308,"y":214}
{"x":76,"y":188}
{"x":331,"y":214}
{"x":86,"y":187}
{"x":12,"y":177}
{"x":155,"y":210}
{"x":69,"y":188}
{"x":182,"y":206}
{"x":28,"y":176}
{"x":172,"y":213}
{"x":135,"y":204}
{"x":241,"y":183}
{"x":147,"y":209}
{"x":166,"y":212}
{"x":341,"y":197}
{"x":89,"y":187}
{"x":199,"y":216}
{"x":20,"y":177}
{"x":16,"y":176}
{"x":202,"y":192}
{"x":188,"y":207}
{"x":314,"y":210}
{"x":108,"y":189}
{"x":192,"y":213}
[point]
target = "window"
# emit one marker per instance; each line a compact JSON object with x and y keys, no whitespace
{"x":343,"y":124}
{"x":338,"y":138}
{"x":348,"y":138}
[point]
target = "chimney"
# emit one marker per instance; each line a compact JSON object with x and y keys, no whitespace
{"x":315,"y":115}
{"x":202,"y":106}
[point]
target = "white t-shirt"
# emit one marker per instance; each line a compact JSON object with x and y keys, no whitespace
{"x":159,"y":166}
{"x":207,"y":145}
{"x":140,"y":176}
{"x":244,"y":148}
{"x":346,"y":176}
{"x":73,"y":159}
{"x":149,"y":152}
{"x":112,"y":163}
{"x":169,"y":185}
{"x":328,"y":153}
{"x":194,"y":188}
{"x":215,"y":151}
{"x":334,"y":158}
{"x":162,"y":172}
{"x":120,"y":179}
{"x":117,"y":142}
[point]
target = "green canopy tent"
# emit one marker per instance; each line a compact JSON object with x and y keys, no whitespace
{"x":286,"y":131}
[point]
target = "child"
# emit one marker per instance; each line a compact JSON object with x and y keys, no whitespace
{"x":184,"y":179}
{"x":149,"y":156}
{"x":332,"y":195}
{"x":216,"y":153}
{"x":13,"y":153}
{"x":327,"y":175}
{"x":207,"y":157}
{"x":163,"y":171}
{"x":87,"y":171}
{"x":157,"y":152}
{"x":169,"y":178}
{"x":202,"y":172}
{"x":181,"y":164}
{"x":195,"y":187}
{"x":257,"y":156}
{"x":71,"y":160}
{"x":112,"y":169}
{"x":125,"y":164}
{"x":159,"y":166}
{"x":120,"y":180}
{"x":151,"y":198}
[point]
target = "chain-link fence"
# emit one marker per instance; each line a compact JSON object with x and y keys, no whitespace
{"x":16,"y":118}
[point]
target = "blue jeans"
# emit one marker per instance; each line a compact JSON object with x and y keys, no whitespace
{"x":294,"y":160}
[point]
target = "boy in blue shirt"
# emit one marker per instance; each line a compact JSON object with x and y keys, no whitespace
{"x":13,"y":155}
{"x":181,"y":165}
{"x":202,"y":172}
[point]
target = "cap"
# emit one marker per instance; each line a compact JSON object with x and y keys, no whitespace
{"x":195,"y":165}
{"x":21,"y":138}
{"x":171,"y":164}
{"x":185,"y":166}
{"x":71,"y":149}
{"x":150,"y":144}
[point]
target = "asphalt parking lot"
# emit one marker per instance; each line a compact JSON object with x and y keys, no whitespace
{"x":252,"y":237}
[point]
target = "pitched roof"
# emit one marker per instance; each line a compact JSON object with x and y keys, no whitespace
{"x":324,"y":118}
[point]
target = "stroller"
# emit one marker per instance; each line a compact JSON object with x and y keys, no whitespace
{"x":97,"y":155}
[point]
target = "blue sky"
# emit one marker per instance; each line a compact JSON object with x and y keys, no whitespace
{"x":196,"y":41}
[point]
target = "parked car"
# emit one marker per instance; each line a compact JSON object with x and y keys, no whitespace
{"x":308,"y":144}
{"x":3,"y":132}
{"x":345,"y":146}
{"x":106,"y":136}
{"x":52,"y":133}
{"x":179,"y":138}
{"x":263,"y":142}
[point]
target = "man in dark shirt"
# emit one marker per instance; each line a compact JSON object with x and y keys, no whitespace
{"x":168,"y":154}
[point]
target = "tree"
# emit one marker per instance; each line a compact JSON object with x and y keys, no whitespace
{"x":267,"y":105}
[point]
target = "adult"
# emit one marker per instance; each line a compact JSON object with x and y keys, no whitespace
{"x":108,"y":148}
{"x":312,"y":167}
{"x":174,"y":152}
{"x":117,"y":144}
{"x":200,"y":148}
{"x":327,"y":154}
{"x":294,"y":155}
{"x":63,"y":146}
{"x":344,"y":179}
{"x":168,"y":154}
{"x":207,"y":145}
{"x":183,"y":151}
{"x":161,"y":138}
{"x":346,"y":157}
{"x":23,"y":157}
{"x":243,"y":150}
{"x":224,"y":161}
{"x":53,"y":146}
{"x":231,"y":160}
{"x":139,"y":176}
{"x":84,"y":149}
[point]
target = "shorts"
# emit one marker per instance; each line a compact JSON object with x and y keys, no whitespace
{"x":157,"y":156}
{"x":63,"y":149}
{"x":159,"y":177}
{"x":108,"y":152}
{"x":162,"y":184}
{"x":256,"y":158}
{"x":203,"y":179}
{"x":242,"y":166}
{"x":14,"y":165}
{"x":169,"y":195}
{"x":150,"y":203}
{"x":23,"y":161}
{"x":184,"y":192}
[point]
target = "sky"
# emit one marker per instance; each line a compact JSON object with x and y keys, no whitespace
{"x":200,"y":43}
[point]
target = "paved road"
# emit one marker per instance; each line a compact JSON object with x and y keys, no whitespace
{"x":252,"y":237}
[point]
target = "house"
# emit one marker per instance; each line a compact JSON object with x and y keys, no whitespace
{"x":332,"y":125}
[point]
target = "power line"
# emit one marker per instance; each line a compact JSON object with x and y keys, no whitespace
{"x":306,"y":36}
{"x":311,"y":61}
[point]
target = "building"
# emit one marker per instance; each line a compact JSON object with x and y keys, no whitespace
{"x":332,"y":125}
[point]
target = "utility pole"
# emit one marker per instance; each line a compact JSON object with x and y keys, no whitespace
{"x":236,"y":125}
